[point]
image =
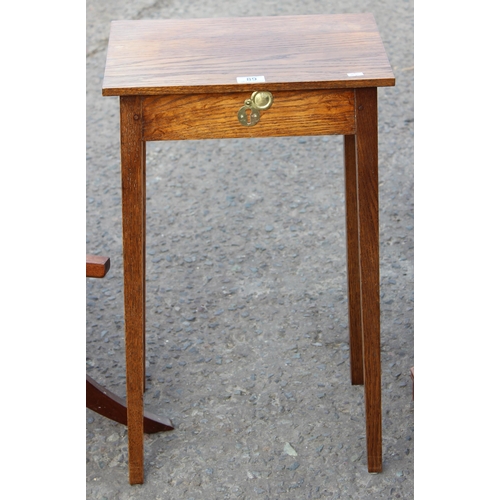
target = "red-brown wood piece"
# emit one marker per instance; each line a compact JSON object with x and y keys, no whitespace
{"x":170,"y":73}
{"x":133,"y":212}
{"x":368,"y":228}
{"x":97,"y":266}
{"x":214,"y":116}
{"x":194,"y":56}
{"x":352,"y":252}
{"x":99,"y":399}
{"x":111,"y":406}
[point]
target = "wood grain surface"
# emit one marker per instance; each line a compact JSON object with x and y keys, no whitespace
{"x":368,"y":229}
{"x":133,"y":216}
{"x":352,"y":254}
{"x":214,"y":116}
{"x":97,"y":266}
{"x":111,"y":406}
{"x":178,"y":80}
{"x":185,"y":56}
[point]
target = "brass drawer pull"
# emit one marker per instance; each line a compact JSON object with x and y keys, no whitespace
{"x":262,"y":99}
{"x":249,"y":113}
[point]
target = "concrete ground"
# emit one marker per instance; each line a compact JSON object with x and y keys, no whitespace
{"x":247,"y":329}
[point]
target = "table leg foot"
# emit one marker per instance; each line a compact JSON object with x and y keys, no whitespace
{"x":374,"y":465}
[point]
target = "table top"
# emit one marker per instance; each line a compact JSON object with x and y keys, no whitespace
{"x":186,"y":56}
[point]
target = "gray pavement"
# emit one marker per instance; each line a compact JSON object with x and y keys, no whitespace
{"x":247,"y":332}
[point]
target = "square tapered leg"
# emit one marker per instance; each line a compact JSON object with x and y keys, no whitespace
{"x":368,"y":230}
{"x":133,"y":205}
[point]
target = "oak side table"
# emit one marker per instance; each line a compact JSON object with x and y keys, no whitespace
{"x":253,"y":77}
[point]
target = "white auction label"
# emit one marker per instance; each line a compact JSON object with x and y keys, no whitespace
{"x":250,"y":79}
{"x":355,"y":74}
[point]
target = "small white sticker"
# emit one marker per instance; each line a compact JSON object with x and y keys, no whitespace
{"x":355,"y":74}
{"x":250,"y":79}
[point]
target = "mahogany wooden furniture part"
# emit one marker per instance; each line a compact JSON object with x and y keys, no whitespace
{"x":191,"y":79}
{"x":97,"y":266}
{"x":99,"y":399}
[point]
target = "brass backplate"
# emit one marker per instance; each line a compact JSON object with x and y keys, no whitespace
{"x":249,"y":113}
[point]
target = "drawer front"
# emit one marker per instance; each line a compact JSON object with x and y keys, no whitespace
{"x":215,"y":116}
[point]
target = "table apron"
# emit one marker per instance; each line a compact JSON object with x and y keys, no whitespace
{"x":214,"y":116}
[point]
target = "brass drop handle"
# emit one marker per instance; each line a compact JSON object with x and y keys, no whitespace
{"x":249,"y":113}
